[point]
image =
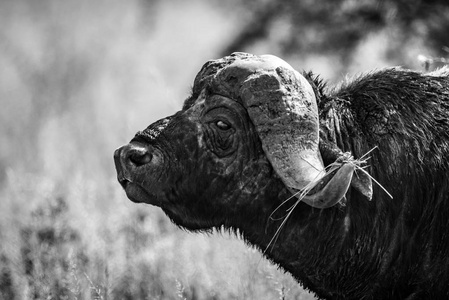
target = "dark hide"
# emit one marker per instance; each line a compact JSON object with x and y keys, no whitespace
{"x":207,"y":170}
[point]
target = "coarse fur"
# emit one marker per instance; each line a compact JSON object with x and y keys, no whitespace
{"x":403,"y":240}
{"x":206,"y":175}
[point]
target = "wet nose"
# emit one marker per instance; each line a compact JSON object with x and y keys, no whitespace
{"x":133,"y":154}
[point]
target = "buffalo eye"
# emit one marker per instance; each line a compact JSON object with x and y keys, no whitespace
{"x":222,"y":125}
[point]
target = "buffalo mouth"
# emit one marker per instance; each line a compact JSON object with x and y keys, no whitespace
{"x":137,"y":194}
{"x":125,"y":176}
{"x":122,"y":180}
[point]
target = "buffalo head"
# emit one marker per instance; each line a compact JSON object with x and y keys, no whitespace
{"x":250,"y":128}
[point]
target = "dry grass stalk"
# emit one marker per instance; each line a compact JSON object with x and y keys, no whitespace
{"x":359,"y":164}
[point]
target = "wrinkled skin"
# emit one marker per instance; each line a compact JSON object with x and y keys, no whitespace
{"x":210,"y":131}
{"x":205,"y":167}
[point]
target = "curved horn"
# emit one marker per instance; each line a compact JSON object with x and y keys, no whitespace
{"x":282,"y":105}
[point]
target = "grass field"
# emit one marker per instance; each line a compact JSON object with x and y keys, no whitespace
{"x":77,"y":79}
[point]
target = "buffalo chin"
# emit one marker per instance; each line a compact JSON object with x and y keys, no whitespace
{"x":137,"y":194}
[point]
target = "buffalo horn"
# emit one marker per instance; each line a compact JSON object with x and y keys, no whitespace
{"x":281,"y":104}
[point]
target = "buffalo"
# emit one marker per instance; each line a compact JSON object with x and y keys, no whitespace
{"x":346,"y":188}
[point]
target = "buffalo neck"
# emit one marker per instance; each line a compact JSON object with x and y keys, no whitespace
{"x":300,"y":244}
{"x":314,"y":245}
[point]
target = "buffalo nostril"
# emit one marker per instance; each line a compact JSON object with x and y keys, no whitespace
{"x":139,"y":156}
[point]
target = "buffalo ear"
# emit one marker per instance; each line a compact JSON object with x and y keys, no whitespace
{"x":332,"y":188}
{"x":361,"y":181}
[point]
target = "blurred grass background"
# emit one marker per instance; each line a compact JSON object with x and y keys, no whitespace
{"x":78,"y":78}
